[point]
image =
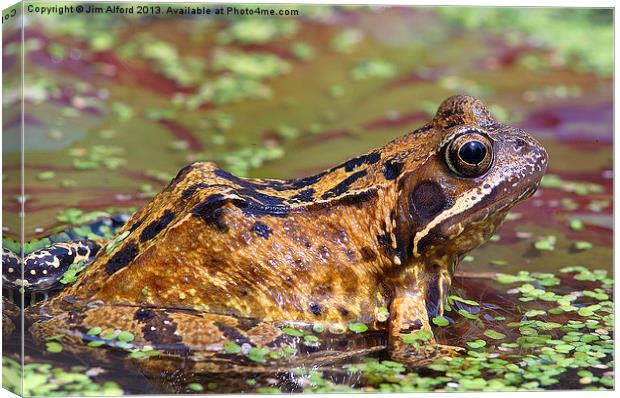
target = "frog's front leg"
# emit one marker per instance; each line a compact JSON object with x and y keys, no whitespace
{"x":411,"y":340}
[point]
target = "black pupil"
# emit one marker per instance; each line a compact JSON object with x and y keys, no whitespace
{"x":473,"y":152}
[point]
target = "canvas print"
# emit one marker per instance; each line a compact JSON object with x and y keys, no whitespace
{"x":255,"y":198}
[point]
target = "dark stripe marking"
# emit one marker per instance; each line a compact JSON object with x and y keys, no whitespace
{"x":350,"y":165}
{"x":122,"y":258}
{"x":210,"y":210}
{"x":344,"y":185}
{"x":155,"y":227}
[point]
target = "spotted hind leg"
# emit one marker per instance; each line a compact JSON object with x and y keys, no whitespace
{"x":44,"y":270}
{"x":203,"y":342}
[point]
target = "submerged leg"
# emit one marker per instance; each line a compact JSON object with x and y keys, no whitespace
{"x":203,"y":342}
{"x":410,"y":338}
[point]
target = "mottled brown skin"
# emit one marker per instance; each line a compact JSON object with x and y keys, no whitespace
{"x":214,"y":258}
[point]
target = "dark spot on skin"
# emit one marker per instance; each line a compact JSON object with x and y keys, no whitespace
{"x":143,"y":314}
{"x":122,"y":258}
{"x":344,"y":185}
{"x":82,"y":251}
{"x":261,"y":230}
{"x":368,"y":254}
{"x":415,"y":325}
{"x":427,"y":200}
{"x":354,"y":163}
{"x":188,"y":192}
{"x":211,"y":211}
{"x":307,"y":195}
{"x":160,"y":329}
{"x":155,"y":227}
{"x":385,"y":241}
{"x":392,"y":169}
{"x":315,"y":309}
{"x":232,"y":334}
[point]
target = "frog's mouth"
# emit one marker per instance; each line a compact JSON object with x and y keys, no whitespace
{"x":502,"y":205}
{"x":467,"y":233}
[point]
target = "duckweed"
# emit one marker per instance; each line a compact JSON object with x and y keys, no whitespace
{"x":258,"y":30}
{"x":43,"y":379}
{"x":577,"y":187}
{"x":546,"y":243}
{"x":493,"y":334}
{"x":373,"y":68}
{"x":292,"y":332}
{"x":250,"y":65}
{"x":302,"y":51}
{"x":53,"y":347}
{"x":358,"y":327}
{"x":583,"y":245}
{"x":345,"y":41}
{"x":72,"y":273}
{"x":195,"y":387}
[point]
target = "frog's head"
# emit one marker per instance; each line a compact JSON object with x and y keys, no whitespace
{"x":476,"y":170}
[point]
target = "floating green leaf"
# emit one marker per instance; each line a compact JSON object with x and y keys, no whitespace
{"x":358,"y":327}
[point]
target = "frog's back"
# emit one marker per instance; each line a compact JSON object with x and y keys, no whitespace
{"x":276,"y":249}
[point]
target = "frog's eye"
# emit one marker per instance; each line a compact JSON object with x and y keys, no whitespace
{"x":469,"y":154}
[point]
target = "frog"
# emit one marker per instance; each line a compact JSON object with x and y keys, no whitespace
{"x":222,"y":271}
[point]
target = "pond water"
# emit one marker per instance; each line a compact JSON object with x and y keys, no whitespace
{"x":116,"y":105}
